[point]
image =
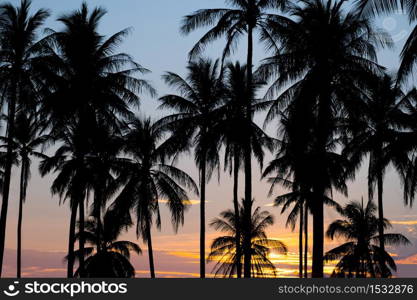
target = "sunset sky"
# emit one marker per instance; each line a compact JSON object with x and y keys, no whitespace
{"x":155,"y":42}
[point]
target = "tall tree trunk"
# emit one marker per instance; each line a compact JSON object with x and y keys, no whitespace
{"x":248,"y":163}
{"x":81,"y":239}
{"x":300,"y":242}
{"x":306,"y":240}
{"x":237,"y":215}
{"x":380,"y":184}
{"x":203,"y":218}
{"x":7,"y":172}
{"x":20,"y":218}
{"x":318,"y":234}
{"x":71,"y":239}
{"x":150,"y":250}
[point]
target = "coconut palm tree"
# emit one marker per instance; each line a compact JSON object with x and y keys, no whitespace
{"x":374,"y":131}
{"x":18,"y":34}
{"x":360,"y":256}
{"x":291,"y":169}
{"x":195,"y":114}
{"x":149,"y":179}
{"x":224,"y":248}
{"x":108,"y":257}
{"x":90,"y":85}
{"x":28,"y":141}
{"x":325,"y":74}
{"x":244,"y":17}
{"x":72,"y":181}
{"x":230,"y":129}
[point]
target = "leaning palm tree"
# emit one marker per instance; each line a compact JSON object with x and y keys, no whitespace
{"x":148,"y":179}
{"x":108,"y":257}
{"x":245,"y":17}
{"x":230,"y":127}
{"x":91,"y":84}
{"x":18,"y":33}
{"x":224,"y":248}
{"x":360,"y":256}
{"x":28,"y":141}
{"x":374,"y":131}
{"x":195,"y":115}
{"x":325,"y":74}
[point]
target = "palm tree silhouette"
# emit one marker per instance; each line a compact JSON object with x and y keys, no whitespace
{"x":360,"y":256}
{"x":290,"y":169}
{"x":148,"y":179}
{"x":18,"y":31}
{"x":224,"y":248}
{"x":107,"y":257}
{"x":89,"y":84}
{"x":378,"y":127}
{"x":72,"y":181}
{"x":245,"y":16}
{"x":324,"y":74}
{"x":196,"y":110}
{"x":28,"y":139}
{"x":230,"y":129}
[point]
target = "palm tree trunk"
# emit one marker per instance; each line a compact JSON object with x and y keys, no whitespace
{"x":19,"y":220}
{"x":71,"y":240}
{"x":150,"y":250}
{"x":203,"y":218}
{"x":381,"y":218}
{"x":82,"y":239}
{"x":7,"y":172}
{"x":306,"y":240}
{"x":237,"y":217}
{"x":300,"y":242}
{"x":318,"y":235}
{"x":248,"y":164}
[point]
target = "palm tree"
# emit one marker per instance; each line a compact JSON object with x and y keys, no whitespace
{"x":201,"y":93}
{"x":90,"y":84}
{"x":245,"y":16}
{"x":148,"y":179}
{"x":374,"y":131}
{"x":28,"y":138}
{"x":291,"y":170}
{"x":360,"y":256}
{"x":325,"y":74}
{"x":108,"y":257}
{"x":72,"y":182}
{"x":224,"y":248}
{"x":230,"y":129}
{"x":18,"y":33}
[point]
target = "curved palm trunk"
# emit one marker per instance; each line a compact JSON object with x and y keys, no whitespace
{"x":7,"y":173}
{"x":203,"y":219}
{"x":150,"y":250}
{"x":71,"y":240}
{"x":237,"y":217}
{"x":300,"y":242}
{"x":22,"y":197}
{"x":248,"y":165}
{"x":82,"y":239}
{"x":306,"y":241}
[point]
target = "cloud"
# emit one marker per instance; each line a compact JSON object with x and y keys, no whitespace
{"x":408,"y":222}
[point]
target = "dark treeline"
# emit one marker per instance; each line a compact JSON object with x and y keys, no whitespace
{"x":335,"y":107}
